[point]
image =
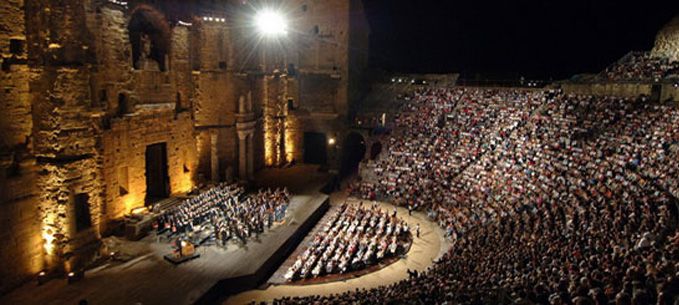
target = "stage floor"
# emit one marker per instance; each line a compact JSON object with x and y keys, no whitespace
{"x":430,"y":246}
{"x":299,"y":179}
{"x":148,"y":279}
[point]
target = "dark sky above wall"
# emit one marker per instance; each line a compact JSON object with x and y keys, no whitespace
{"x":507,"y":39}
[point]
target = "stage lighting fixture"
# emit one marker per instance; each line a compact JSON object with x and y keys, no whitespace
{"x":271,"y":23}
{"x":42,"y":277}
{"x":73,"y":277}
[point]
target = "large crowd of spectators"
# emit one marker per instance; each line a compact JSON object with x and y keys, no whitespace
{"x":223,"y":213}
{"x":641,"y":66}
{"x":353,"y":238}
{"x":548,"y":198}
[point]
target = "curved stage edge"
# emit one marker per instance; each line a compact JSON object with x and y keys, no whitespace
{"x":150,"y":280}
{"x":425,"y":250}
{"x":281,"y":246}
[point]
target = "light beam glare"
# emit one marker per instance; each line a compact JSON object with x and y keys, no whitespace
{"x":271,"y":23}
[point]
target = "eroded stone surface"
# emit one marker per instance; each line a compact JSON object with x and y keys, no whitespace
{"x":77,"y":116}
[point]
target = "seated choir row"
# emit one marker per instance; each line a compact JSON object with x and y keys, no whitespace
{"x":353,"y":239}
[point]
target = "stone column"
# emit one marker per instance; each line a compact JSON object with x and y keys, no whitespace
{"x":249,"y":107}
{"x":242,"y":105}
{"x":242,"y":156}
{"x":245,"y":127}
{"x":214,"y":158}
{"x":281,"y":142}
{"x":250,"y":156}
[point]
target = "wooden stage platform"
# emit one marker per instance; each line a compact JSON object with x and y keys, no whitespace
{"x":219,"y":272}
{"x":255,"y":265}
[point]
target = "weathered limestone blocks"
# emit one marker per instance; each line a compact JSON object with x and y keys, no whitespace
{"x":667,"y":40}
{"x":79,"y":116}
{"x":61,"y":105}
{"x":12,"y":26}
{"x":16,"y":122}
{"x":214,"y":46}
{"x":181,"y":66}
{"x":60,"y":184}
{"x":216,"y":99}
{"x":124,"y":148}
{"x":22,"y":255}
{"x":613,"y":89}
{"x":58,"y":33}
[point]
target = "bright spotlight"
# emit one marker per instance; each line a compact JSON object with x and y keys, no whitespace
{"x":271,"y":23}
{"x":332,"y":141}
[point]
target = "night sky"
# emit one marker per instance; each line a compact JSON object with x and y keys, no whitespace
{"x":543,"y":39}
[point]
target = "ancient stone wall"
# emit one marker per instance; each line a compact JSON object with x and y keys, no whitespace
{"x":667,"y":40}
{"x":65,"y":133}
{"x":359,"y":54}
{"x":114,"y":73}
{"x":216,"y":99}
{"x":68,"y":247}
{"x":87,"y":86}
{"x":22,"y":253}
{"x":323,"y":28}
{"x":214,"y":47}
{"x":217,"y":91}
{"x":320,"y":54}
{"x":124,"y":148}
{"x":69,"y":139}
{"x":613,"y":89}
{"x":16,"y":123}
{"x":328,"y":56}
{"x":157,"y":103}
{"x":670,"y":92}
{"x":181,"y":68}
{"x":275,"y":90}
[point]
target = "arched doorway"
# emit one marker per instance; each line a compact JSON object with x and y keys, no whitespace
{"x":315,"y":148}
{"x":150,"y":36}
{"x":353,"y":151}
{"x":375,"y":150}
{"x":122,"y":105}
{"x":157,"y":179}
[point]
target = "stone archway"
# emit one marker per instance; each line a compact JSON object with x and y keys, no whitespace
{"x":123,"y":104}
{"x":150,"y":37}
{"x":353,"y":152}
{"x":375,"y":150}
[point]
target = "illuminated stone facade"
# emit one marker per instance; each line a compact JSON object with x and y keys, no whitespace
{"x":326,"y":60}
{"x":90,"y":89}
{"x":667,"y":40}
{"x":666,"y":45}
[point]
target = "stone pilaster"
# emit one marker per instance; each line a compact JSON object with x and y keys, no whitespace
{"x":246,"y":131}
{"x":214,"y":158}
{"x":250,"y":156}
{"x":242,"y":156}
